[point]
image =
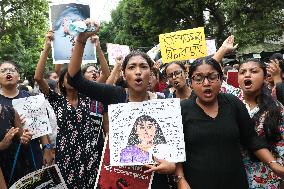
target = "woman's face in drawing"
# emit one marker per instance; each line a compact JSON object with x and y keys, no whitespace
{"x":146,"y":131}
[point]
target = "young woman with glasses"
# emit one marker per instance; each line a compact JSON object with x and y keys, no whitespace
{"x":215,"y":126}
{"x":177,"y":75}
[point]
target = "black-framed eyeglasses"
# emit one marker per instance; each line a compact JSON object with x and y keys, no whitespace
{"x":5,"y":70}
{"x":176,"y":73}
{"x":199,"y":78}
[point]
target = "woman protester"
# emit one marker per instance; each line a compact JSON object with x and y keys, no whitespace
{"x":136,"y":68}
{"x":266,"y":113}
{"x":76,"y":151}
{"x":13,"y":137}
{"x":177,"y":76}
{"x":215,"y":126}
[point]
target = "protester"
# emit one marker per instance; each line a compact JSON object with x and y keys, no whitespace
{"x":136,"y":68}
{"x":12,"y":137}
{"x":76,"y":152}
{"x":9,"y":77}
{"x":215,"y":125}
{"x":267,"y":114}
{"x":177,"y":75}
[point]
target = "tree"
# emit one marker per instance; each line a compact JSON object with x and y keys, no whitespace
{"x":139,"y":22}
{"x":23,"y":24}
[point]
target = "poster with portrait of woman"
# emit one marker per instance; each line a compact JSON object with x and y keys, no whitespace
{"x":140,"y":131}
{"x":61,"y":15}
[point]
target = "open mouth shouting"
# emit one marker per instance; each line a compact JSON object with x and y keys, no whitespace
{"x":9,"y":77}
{"x":138,"y":81}
{"x":176,"y":84}
{"x":208,"y":93}
{"x":247,"y":83}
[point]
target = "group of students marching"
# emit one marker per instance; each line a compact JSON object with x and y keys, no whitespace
{"x":233,"y":136}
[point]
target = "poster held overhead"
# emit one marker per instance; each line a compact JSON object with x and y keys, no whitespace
{"x":183,"y":45}
{"x":61,"y":17}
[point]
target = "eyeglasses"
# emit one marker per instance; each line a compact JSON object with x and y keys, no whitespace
{"x":5,"y":70}
{"x":199,"y":79}
{"x":176,"y":73}
{"x":92,"y":71}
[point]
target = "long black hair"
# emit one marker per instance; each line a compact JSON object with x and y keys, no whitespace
{"x":61,"y":81}
{"x":268,"y":106}
{"x":133,"y":138}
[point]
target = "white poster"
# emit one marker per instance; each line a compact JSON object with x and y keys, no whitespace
{"x":116,"y":50}
{"x":141,"y":130}
{"x":46,"y":178}
{"x":61,"y":15}
{"x":211,"y":46}
{"x":34,"y":108}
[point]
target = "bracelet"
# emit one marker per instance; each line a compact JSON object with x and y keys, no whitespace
{"x":273,"y":161}
{"x":177,"y":178}
{"x":47,"y":146}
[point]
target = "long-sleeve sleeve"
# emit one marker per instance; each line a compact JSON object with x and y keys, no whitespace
{"x":107,"y":94}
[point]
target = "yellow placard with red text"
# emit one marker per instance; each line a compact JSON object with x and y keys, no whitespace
{"x":183,"y":45}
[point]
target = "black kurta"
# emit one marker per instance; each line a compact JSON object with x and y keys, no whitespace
{"x":213,"y":157}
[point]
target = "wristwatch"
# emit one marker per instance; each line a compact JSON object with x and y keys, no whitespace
{"x":47,"y":146}
{"x":177,"y":178}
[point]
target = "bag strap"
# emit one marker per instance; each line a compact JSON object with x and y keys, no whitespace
{"x":15,"y":162}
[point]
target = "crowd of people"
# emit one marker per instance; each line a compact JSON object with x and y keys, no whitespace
{"x":233,"y":135}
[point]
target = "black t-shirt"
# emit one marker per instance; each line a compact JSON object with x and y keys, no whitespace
{"x":25,"y":162}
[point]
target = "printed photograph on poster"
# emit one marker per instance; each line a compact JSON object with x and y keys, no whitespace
{"x":34,"y":108}
{"x":48,"y":177}
{"x":61,"y":15}
{"x":130,"y":177}
{"x":141,"y":130}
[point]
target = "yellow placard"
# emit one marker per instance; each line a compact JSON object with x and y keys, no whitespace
{"x":183,"y":45}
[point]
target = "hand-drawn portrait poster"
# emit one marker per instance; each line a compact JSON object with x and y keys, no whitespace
{"x":183,"y":45}
{"x":61,"y":15}
{"x":130,"y":177}
{"x":34,"y":108}
{"x":141,"y":130}
{"x":48,"y":177}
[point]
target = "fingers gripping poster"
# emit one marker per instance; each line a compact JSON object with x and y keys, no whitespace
{"x":34,"y":108}
{"x":140,"y":131}
{"x":61,"y":15}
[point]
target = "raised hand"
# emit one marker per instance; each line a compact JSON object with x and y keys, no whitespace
{"x":48,"y":39}
{"x":83,"y":36}
{"x":228,"y":44}
{"x":96,"y":40}
{"x":5,"y":143}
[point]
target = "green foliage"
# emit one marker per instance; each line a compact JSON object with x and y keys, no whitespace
{"x":139,"y":22}
{"x":22,"y":30}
